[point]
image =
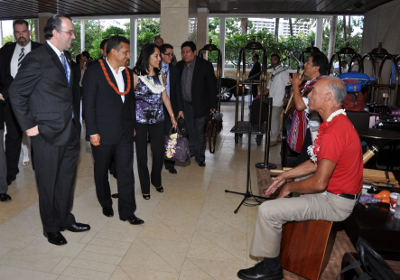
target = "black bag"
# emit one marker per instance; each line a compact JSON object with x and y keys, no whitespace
{"x":213,"y":127}
{"x":176,"y":149}
{"x":255,"y":112}
{"x":182,"y":127}
{"x":373,"y":265}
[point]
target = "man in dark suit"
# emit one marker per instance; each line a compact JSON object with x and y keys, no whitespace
{"x":109,"y":107}
{"x":199,"y":92}
{"x":3,"y":165}
{"x":254,"y":70}
{"x":173,"y":87}
{"x":42,"y":100}
{"x":13,"y":55}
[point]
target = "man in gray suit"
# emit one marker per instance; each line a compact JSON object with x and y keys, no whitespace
{"x":42,"y":100}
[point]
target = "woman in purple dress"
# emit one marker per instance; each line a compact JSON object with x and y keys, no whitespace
{"x":150,"y":96}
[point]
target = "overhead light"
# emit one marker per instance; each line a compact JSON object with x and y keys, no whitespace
{"x":235,"y":8}
{"x":349,"y":9}
{"x":48,"y":5}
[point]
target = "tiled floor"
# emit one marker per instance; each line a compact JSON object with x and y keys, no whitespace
{"x":190,"y":231}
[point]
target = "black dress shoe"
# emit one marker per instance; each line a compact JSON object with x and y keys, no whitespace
{"x":77,"y":227}
{"x":201,"y":163}
{"x":172,"y":170}
{"x":260,"y":272}
{"x":10,"y":179}
{"x":108,"y":211}
{"x":133,"y":220}
{"x":4,"y":197}
{"x":55,"y":238}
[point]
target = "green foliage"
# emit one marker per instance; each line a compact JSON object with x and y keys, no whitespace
{"x":151,"y":25}
{"x":8,"y":38}
{"x":92,"y":34}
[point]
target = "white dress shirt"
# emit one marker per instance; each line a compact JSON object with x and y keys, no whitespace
{"x":119,"y":79}
{"x":14,"y":60}
{"x":57,"y":51}
{"x":278,"y":80}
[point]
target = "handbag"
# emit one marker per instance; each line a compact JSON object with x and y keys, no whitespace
{"x":176,"y":147}
{"x":213,"y":127}
{"x":297,"y":131}
{"x":182,"y":127}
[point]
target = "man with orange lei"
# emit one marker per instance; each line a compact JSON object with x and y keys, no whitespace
{"x":329,"y":194}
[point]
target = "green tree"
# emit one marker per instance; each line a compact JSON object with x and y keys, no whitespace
{"x":91,"y":36}
{"x":8,"y":38}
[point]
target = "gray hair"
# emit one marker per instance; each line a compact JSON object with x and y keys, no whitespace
{"x":338,"y":88}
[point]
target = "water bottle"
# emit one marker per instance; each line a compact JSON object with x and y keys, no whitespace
{"x":397,"y":212}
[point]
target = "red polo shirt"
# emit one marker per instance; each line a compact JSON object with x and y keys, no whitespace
{"x":341,"y":144}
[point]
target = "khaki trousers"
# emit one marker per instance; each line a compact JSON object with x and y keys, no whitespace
{"x":273,"y":214}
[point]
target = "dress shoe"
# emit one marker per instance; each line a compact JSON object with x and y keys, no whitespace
{"x":273,"y":143}
{"x":133,"y":220}
{"x":10,"y":179}
{"x":4,"y":197}
{"x":172,"y":170}
{"x":77,"y":227}
{"x":108,"y":211}
{"x":55,"y":238}
{"x":260,"y":272}
{"x":201,"y":163}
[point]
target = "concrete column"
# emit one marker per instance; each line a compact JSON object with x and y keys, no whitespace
{"x":332,"y":37}
{"x":36,"y":26}
{"x":133,"y":45}
{"x":318,"y":33}
{"x":43,"y":17}
{"x":174,"y":23}
{"x":202,"y":27}
{"x":82,"y":35}
{"x":222,"y":30}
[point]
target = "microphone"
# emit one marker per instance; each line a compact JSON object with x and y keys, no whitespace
{"x":301,"y":64}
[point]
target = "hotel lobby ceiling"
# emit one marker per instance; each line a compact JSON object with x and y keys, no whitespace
{"x":14,"y":9}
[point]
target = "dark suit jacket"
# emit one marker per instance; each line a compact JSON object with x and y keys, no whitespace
{"x":204,"y":87}
{"x":40,"y":95}
{"x":105,"y":114}
{"x":256,"y":68}
{"x":7,"y":53}
{"x":176,"y":97}
{"x":4,"y":80}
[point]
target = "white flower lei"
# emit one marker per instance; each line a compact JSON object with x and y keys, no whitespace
{"x":310,"y":149}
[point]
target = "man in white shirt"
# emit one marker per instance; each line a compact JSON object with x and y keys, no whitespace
{"x":12,"y":56}
{"x":278,"y":80}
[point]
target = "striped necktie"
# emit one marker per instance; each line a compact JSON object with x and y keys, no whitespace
{"x":64,"y":63}
{"x":21,"y":57}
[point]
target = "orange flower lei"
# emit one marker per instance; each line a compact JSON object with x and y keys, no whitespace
{"x":112,"y":84}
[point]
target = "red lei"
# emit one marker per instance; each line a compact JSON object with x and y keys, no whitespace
{"x":112,"y":84}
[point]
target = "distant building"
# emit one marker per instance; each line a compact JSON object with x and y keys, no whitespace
{"x":284,"y":27}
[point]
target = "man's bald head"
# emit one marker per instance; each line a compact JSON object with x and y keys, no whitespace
{"x":336,"y":86}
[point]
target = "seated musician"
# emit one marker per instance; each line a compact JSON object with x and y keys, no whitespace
{"x":330,"y":194}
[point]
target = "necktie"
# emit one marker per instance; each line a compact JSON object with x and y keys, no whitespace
{"x":64,"y":63}
{"x":165,"y":70}
{"x":21,"y":57}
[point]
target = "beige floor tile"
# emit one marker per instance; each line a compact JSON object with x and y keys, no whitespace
{"x":182,"y":226}
{"x":62,"y":265}
{"x":207,"y":222}
{"x":4,"y":250}
{"x":234,"y":243}
{"x":190,"y":271}
{"x":120,"y":274}
{"x":155,"y":229}
{"x":149,"y":274}
{"x":167,"y":209}
{"x":219,"y":269}
{"x":30,"y":260}
{"x":41,"y":245}
{"x":172,"y":252}
{"x":116,"y":226}
{"x":99,"y":257}
{"x":17,"y":273}
{"x":105,"y":242}
{"x":141,"y":255}
{"x":92,"y":265}
{"x":83,"y":273}
{"x":204,"y":248}
{"x":118,"y":252}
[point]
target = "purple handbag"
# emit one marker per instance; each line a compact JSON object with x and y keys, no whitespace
{"x":176,"y":147}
